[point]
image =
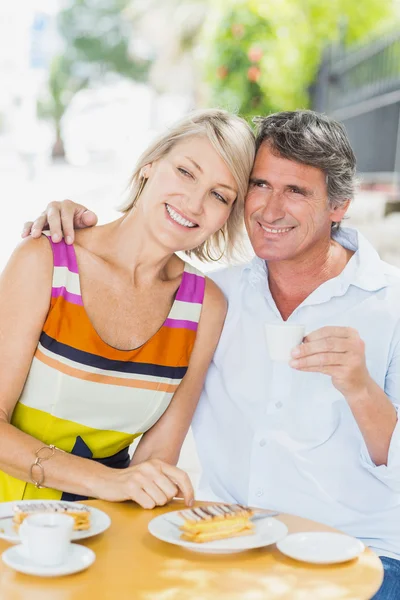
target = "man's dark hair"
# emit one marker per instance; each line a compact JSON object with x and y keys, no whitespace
{"x":313,"y":139}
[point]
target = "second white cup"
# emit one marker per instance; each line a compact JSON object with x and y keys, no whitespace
{"x":282,"y":338}
{"x":47,"y":538}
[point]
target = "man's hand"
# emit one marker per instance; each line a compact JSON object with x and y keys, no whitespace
{"x":61,"y":217}
{"x":338,"y":352}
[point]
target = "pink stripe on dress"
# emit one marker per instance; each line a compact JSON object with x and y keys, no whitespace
{"x":64,"y":256}
{"x":192,"y":288}
{"x":56,"y":292}
{"x":181,"y":324}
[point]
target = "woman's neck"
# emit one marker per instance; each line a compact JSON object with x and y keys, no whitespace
{"x":127,"y":245}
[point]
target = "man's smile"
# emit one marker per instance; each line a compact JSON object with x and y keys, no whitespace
{"x":276,"y":230}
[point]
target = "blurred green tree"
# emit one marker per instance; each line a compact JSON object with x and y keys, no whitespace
{"x":62,"y":86}
{"x":99,"y":38}
{"x":98,"y":42}
{"x":264,"y":54}
{"x":174,"y":48}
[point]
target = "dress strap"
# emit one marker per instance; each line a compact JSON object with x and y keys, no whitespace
{"x":66,"y":282}
{"x":186,"y":310}
{"x":193,"y":285}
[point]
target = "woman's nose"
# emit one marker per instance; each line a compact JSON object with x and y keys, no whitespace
{"x":195,"y":202}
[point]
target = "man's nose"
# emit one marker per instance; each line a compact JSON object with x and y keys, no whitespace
{"x":273,"y":208}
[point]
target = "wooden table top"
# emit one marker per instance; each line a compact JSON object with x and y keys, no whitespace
{"x":132,"y":565}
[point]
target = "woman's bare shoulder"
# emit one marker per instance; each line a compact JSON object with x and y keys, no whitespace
{"x":29,"y":268}
{"x":25,"y":283}
{"x":35,"y":254}
{"x":214,"y":299}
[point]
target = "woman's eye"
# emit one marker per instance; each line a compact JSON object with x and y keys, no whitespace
{"x":184,"y":172}
{"x":220,"y":198}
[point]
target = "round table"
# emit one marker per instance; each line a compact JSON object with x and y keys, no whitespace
{"x":132,"y":565}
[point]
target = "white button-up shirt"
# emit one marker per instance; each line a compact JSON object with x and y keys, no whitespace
{"x":270,"y":436}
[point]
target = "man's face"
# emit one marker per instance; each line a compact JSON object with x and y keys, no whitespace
{"x":286,"y":210}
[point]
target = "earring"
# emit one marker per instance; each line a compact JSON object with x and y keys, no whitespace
{"x":140,"y":188}
{"x":223,"y":251}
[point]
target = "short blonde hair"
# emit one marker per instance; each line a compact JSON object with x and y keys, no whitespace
{"x":234,"y":141}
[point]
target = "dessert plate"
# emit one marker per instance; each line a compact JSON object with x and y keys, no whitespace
{"x":321,"y":548}
{"x":99,"y":520}
{"x":266,"y":531}
{"x":79,"y":558}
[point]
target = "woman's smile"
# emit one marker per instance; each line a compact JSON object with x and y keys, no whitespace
{"x":179,"y":218}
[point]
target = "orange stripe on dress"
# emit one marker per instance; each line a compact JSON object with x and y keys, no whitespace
{"x":69,"y":324}
{"x":105,"y":379}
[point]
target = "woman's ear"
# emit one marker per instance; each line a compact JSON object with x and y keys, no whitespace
{"x":145,"y":171}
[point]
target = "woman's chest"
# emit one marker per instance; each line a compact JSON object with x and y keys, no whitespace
{"x":123,"y":315}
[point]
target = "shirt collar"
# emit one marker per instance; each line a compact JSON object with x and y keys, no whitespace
{"x":364,"y":270}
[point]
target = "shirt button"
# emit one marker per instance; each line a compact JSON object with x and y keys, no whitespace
{"x":259,"y":492}
{"x":279,"y":404}
{"x":263,"y":442}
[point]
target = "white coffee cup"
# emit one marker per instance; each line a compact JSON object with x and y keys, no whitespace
{"x":282,"y":338}
{"x":46,"y":538}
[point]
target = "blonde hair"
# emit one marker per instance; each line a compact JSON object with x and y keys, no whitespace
{"x":233,"y":139}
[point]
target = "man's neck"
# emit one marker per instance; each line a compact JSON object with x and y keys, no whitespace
{"x":291,"y":282}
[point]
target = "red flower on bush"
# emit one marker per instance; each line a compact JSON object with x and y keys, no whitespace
{"x":253,"y":74}
{"x":255,"y":54}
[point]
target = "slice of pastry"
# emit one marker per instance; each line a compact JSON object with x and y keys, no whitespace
{"x":216,"y":522}
{"x":80,"y":513}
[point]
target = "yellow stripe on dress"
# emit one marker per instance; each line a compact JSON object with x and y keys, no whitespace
{"x":92,"y":404}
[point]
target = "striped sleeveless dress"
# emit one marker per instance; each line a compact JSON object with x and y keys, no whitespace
{"x":88,"y":398}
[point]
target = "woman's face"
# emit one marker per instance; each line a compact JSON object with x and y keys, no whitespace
{"x":188,"y":196}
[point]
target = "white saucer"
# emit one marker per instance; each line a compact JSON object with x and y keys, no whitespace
{"x":266,"y":531}
{"x":99,"y":520}
{"x":322,"y":548}
{"x":79,"y":558}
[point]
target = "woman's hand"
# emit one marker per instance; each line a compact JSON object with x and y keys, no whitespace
{"x":61,"y":218}
{"x":150,"y":483}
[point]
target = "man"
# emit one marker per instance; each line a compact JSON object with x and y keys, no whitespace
{"x":318,"y":437}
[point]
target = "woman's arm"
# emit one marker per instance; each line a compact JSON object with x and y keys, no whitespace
{"x":164,"y":440}
{"x":25,"y":287}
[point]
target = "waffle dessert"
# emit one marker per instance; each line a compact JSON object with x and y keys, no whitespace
{"x":216,"y":522}
{"x":80,"y":513}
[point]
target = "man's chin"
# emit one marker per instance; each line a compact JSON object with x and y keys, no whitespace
{"x":270,"y":254}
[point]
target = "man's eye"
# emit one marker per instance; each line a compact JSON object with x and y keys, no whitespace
{"x":220,"y":198}
{"x":295,"y":191}
{"x":260,"y":184}
{"x":184,"y":172}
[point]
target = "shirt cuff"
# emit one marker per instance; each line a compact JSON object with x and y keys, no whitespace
{"x":388,"y":474}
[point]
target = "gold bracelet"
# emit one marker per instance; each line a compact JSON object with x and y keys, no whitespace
{"x":44,"y":453}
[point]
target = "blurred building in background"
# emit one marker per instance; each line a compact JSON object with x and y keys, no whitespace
{"x":360,"y":86}
{"x":85,"y":85}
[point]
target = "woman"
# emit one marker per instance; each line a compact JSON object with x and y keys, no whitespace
{"x":118,"y":332}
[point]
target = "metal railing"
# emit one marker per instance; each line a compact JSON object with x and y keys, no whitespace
{"x":361,"y":88}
